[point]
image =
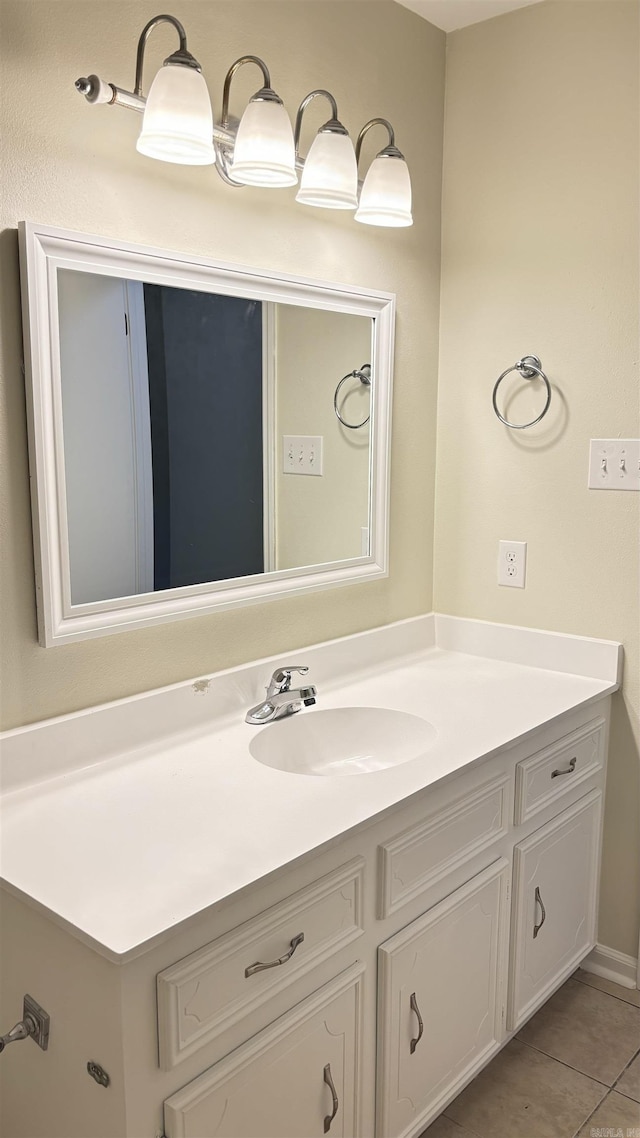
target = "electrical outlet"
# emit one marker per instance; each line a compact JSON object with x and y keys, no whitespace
{"x":302,"y":454}
{"x":512,"y":563}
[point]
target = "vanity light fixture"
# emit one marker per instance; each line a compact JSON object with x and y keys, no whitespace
{"x":177,"y":124}
{"x":385,"y":198}
{"x":330,"y":171}
{"x":261,"y":150}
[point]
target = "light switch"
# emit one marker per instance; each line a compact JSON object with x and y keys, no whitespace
{"x":614,"y":464}
{"x":302,"y":454}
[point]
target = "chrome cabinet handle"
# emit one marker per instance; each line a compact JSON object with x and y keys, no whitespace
{"x":543,"y":913}
{"x":335,"y":1104}
{"x":414,"y":1008}
{"x":570,"y":769}
{"x":260,"y":967}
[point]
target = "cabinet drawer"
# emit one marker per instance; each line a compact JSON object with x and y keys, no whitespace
{"x":203,"y":995}
{"x":553,"y":774}
{"x":282,"y":1083}
{"x":414,"y":860}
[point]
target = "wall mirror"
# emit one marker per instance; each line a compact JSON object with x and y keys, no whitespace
{"x":197,"y":440}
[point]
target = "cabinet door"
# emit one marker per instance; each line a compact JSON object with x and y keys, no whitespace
{"x":441,"y":1005}
{"x":555,"y":892}
{"x":295,"y":1079}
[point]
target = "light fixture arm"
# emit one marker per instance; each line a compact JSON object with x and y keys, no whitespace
{"x":224,"y":121}
{"x":95,"y":90}
{"x":142,"y":43}
{"x":390,"y":150}
{"x":332,"y":126}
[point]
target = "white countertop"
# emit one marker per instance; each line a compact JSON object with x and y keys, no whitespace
{"x":154,"y":809}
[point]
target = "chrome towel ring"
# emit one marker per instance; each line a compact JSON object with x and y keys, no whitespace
{"x":529,"y":367}
{"x":364,"y":375}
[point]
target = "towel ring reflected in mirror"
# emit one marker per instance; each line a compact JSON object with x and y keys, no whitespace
{"x":529,"y":367}
{"x":364,"y":375}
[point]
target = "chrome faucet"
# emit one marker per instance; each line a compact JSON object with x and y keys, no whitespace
{"x":282,"y":699}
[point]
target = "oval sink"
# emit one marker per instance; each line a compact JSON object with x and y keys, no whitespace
{"x":342,"y":741}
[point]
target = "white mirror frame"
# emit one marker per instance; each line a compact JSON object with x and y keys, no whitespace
{"x":44,"y":250}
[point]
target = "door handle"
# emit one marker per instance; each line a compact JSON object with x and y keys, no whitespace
{"x":260,"y":967}
{"x":543,"y":913}
{"x":570,"y":769}
{"x":414,"y":1008}
{"x":335,"y":1104}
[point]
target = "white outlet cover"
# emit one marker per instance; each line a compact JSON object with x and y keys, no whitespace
{"x":512,"y":564}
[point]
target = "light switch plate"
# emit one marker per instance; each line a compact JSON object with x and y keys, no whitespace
{"x":614,"y":464}
{"x":302,"y":454}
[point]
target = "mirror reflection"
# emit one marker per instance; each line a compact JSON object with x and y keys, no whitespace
{"x":201,"y":442}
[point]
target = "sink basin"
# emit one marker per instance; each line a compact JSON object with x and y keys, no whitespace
{"x":342,"y":741}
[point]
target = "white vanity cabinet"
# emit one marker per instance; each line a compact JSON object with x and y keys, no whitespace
{"x":400,"y":958}
{"x":463,"y":911}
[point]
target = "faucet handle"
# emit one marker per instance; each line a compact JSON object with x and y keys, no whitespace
{"x":281,"y":678}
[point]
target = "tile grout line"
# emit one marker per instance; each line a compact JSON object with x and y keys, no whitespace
{"x":623,"y":1072}
{"x":586,"y":983}
{"x":608,"y":1089}
{"x":444,"y":1114}
{"x":589,"y":1116}
{"x":568,"y":1065}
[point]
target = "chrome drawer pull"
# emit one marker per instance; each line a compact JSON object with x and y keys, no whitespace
{"x":414,"y":1008}
{"x":329,"y":1081}
{"x":259,"y":967}
{"x":543,"y":913}
{"x":570,"y":769}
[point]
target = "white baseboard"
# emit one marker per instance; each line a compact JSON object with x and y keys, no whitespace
{"x":613,"y":965}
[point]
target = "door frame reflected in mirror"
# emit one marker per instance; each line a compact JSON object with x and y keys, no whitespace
{"x":44,"y":250}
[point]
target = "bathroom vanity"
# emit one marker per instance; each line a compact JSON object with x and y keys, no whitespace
{"x":247,"y":952}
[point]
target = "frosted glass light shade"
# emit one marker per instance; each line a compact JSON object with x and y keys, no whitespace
{"x":330,"y":175}
{"x":385,"y":198}
{"x":178,"y":124}
{"x":264,"y":154}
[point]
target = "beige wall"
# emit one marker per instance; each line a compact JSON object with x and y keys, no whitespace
{"x":540,"y":254}
{"x":65,"y":163}
{"x":320,"y":518}
{"x":540,"y":249}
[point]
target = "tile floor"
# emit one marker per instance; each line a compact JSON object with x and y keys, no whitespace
{"x":573,"y":1071}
